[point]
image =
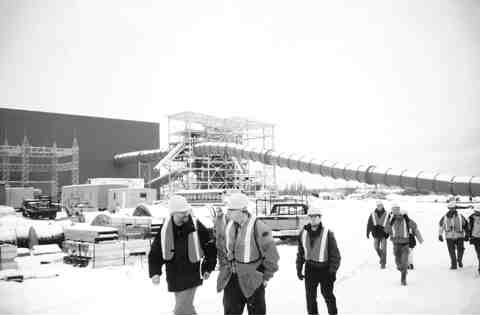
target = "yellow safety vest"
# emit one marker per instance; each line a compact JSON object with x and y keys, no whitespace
{"x":318,"y":252}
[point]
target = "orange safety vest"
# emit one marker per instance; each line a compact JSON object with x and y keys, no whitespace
{"x":379,"y":220}
{"x":195,"y":251}
{"x":453,"y":224}
{"x":318,"y":252}
{"x":242,"y":248}
{"x":400,"y":229}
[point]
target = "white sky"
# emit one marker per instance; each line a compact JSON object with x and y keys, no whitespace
{"x":395,"y":83}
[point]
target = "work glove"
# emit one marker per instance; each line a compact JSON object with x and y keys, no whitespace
{"x":471,"y":241}
{"x":440,"y":238}
{"x":300,"y":276}
{"x":368,"y":235}
{"x":156,"y":279}
{"x":205,"y":275}
{"x":333,"y":275}
{"x":466,"y":239}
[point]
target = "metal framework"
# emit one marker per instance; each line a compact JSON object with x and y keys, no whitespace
{"x":26,"y":159}
{"x":219,"y":171}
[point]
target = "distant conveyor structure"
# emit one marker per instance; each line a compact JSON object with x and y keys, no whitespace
{"x":369,"y":174}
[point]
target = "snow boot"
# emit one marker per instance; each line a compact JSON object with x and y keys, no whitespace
{"x":403,"y":279}
{"x":460,"y":264}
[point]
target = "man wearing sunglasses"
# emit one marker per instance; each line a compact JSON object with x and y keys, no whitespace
{"x":185,"y":246}
{"x":250,"y":259}
{"x":317,"y":249}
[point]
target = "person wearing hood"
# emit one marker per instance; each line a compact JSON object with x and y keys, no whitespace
{"x":187,"y":249}
{"x":318,"y":251}
{"x":249,"y":258}
{"x":376,"y":226}
{"x":399,"y":227}
{"x":455,"y":227}
{"x":474,"y":231}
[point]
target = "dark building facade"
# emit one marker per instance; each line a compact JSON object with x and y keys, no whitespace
{"x":99,"y":139}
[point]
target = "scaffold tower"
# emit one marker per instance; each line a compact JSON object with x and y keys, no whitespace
{"x":21,"y":162}
{"x":218,"y":171}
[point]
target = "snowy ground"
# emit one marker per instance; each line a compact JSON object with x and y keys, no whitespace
{"x":361,"y":288}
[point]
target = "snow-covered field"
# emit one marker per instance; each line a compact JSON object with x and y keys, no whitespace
{"x":361,"y":287}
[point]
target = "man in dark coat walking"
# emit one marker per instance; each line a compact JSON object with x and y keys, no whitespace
{"x":376,"y":225}
{"x":317,"y":249}
{"x":181,"y":245}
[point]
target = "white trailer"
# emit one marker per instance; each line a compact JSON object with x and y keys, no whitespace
{"x":16,"y":195}
{"x":130,"y":197}
{"x":93,"y":195}
{"x":129,"y":182}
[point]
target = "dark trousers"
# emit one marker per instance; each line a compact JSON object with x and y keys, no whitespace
{"x":314,"y":277}
{"x":234,"y":301}
{"x":477,"y":249}
{"x":380,"y":245}
{"x":455,"y":250}
{"x":401,"y":252}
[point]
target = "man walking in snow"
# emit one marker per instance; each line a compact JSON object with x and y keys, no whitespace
{"x":399,"y":227}
{"x":455,"y":227}
{"x":181,"y":245}
{"x":474,"y":231}
{"x":376,"y":225}
{"x":318,"y":251}
{"x":249,"y":260}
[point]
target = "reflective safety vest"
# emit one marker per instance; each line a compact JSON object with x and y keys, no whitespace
{"x":242,"y":245}
{"x":476,"y":226}
{"x":382,"y":221}
{"x":195,"y":251}
{"x":399,"y":228}
{"x":318,"y":252}
{"x":453,"y":224}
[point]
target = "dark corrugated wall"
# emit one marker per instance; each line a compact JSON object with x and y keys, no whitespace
{"x":99,"y":139}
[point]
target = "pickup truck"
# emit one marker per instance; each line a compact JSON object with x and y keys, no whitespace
{"x":286,"y":219}
{"x":42,"y":207}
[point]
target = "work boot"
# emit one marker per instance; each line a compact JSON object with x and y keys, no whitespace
{"x":452,"y":267}
{"x":382,"y":266}
{"x":460,"y":264}
{"x":403,"y":279}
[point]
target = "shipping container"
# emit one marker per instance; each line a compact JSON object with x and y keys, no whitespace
{"x":129,"y":182}
{"x":16,"y":195}
{"x":130,"y":197}
{"x":93,"y":195}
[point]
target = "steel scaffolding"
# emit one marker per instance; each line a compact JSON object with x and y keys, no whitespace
{"x":219,"y":171}
{"x":26,"y":159}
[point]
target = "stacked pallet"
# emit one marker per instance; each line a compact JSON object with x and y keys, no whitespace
{"x":83,"y":232}
{"x":8,"y":253}
{"x":132,"y":227}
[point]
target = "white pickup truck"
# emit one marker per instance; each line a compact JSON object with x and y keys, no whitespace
{"x":286,"y":219}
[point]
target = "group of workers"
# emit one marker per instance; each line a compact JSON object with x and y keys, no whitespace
{"x":404,"y":233}
{"x":248,"y":257}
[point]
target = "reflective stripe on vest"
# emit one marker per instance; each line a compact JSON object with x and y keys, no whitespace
{"x":476,"y":226}
{"x":404,"y":231}
{"x":242,"y":252}
{"x":318,"y":252}
{"x":449,"y":223}
{"x":384,"y":216}
{"x":195,"y":252}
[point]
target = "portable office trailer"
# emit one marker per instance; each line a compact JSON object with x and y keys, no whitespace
{"x":129,"y":182}
{"x":130,"y":197}
{"x":16,"y":195}
{"x":93,"y":195}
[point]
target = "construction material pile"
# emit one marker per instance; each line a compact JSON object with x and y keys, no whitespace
{"x":8,"y":253}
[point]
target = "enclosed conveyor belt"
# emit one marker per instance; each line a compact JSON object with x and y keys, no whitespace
{"x":370,"y":174}
{"x":142,"y":156}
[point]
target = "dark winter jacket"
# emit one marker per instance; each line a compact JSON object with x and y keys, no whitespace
{"x":378,"y":231}
{"x":459,"y":228}
{"x":181,"y":273}
{"x":473,"y":231}
{"x":334,"y":258}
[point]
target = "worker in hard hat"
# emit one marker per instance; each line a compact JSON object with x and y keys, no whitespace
{"x":474,"y":231}
{"x":188,"y":251}
{"x":318,"y":251}
{"x":219,"y":225}
{"x":455,"y":227}
{"x":251,"y":259}
{"x":376,"y":226}
{"x":399,"y":227}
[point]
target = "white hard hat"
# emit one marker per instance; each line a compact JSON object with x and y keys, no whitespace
{"x":237,"y":201}
{"x":315,"y":209}
{"x":178,"y":203}
{"x":476,"y":208}
{"x":379,"y":203}
{"x":452,"y":204}
{"x":396,"y":208}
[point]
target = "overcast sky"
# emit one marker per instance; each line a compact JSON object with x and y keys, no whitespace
{"x":394,"y":83}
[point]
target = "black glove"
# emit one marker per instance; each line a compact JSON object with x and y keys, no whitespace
{"x":440,"y":238}
{"x":300,"y":276}
{"x":333,"y":275}
{"x":368,"y":235}
{"x":471,"y":241}
{"x":466,"y":239}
